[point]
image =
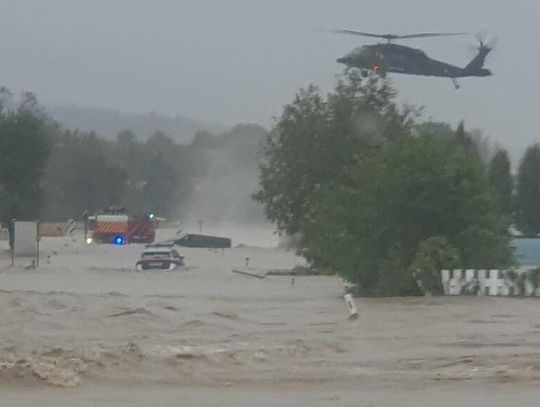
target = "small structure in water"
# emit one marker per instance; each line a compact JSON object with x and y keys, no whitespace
{"x":527,"y":250}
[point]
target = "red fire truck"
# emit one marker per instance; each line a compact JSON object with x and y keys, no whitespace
{"x":119,"y":228}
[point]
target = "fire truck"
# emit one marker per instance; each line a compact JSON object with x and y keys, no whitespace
{"x":116,"y":227}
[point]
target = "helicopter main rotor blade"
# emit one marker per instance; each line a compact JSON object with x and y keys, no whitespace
{"x":366,"y":34}
{"x":426,"y":35}
{"x":390,"y":37}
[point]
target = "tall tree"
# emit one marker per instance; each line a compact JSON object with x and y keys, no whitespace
{"x":24,"y":148}
{"x":501,"y":181}
{"x":294,"y":157}
{"x":367,"y":189}
{"x":317,"y":139}
{"x":528,"y":192}
{"x":81,"y":177}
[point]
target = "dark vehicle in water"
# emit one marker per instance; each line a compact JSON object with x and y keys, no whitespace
{"x":204,"y":241}
{"x":159,"y":257}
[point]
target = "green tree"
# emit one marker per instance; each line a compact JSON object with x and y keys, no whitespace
{"x":87,"y":172}
{"x":433,"y":255}
{"x":501,"y":181}
{"x":528,"y":192}
{"x":294,"y":160}
{"x":80,"y":176}
{"x":462,"y":137}
{"x":24,"y":148}
{"x":369,"y":228}
{"x":317,"y":139}
{"x":365,"y":187}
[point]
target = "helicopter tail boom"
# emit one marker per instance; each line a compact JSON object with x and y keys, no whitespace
{"x":476,"y":66}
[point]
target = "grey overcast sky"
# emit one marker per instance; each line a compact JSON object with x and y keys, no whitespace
{"x":242,"y":60}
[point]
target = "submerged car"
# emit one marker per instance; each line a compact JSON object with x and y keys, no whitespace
{"x":159,"y":257}
{"x":204,"y":241}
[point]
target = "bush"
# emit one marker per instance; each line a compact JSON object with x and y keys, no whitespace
{"x":433,"y":255}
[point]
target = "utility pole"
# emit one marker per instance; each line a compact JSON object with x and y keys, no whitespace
{"x":85,"y":220}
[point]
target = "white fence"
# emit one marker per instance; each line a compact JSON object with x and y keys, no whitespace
{"x":489,"y":282}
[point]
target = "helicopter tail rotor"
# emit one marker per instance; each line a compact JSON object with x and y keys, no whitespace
{"x":476,"y":66}
{"x":483,"y":43}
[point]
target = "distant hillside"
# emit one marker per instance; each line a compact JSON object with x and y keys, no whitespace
{"x":108,"y":122}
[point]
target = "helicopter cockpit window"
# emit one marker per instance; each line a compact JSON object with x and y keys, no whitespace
{"x":362,"y":52}
{"x":357,"y":51}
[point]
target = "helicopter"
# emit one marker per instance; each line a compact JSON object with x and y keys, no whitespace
{"x":383,"y":58}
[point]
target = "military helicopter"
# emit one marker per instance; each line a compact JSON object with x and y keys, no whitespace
{"x":387,"y":57}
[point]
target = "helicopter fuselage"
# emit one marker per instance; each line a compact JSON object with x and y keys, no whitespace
{"x":395,"y":58}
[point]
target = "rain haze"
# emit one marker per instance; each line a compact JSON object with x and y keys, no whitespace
{"x":160,"y":245}
{"x":242,"y":60}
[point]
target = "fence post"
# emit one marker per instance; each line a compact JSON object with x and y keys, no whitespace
{"x":12,"y":241}
{"x":456,"y":282}
{"x":353,"y":312}
{"x":37,"y":243}
{"x":482,"y":282}
{"x":445,"y":278}
{"x":493,"y":282}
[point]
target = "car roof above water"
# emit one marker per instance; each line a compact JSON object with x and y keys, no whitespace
{"x":157,"y":251}
{"x":164,"y":245}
